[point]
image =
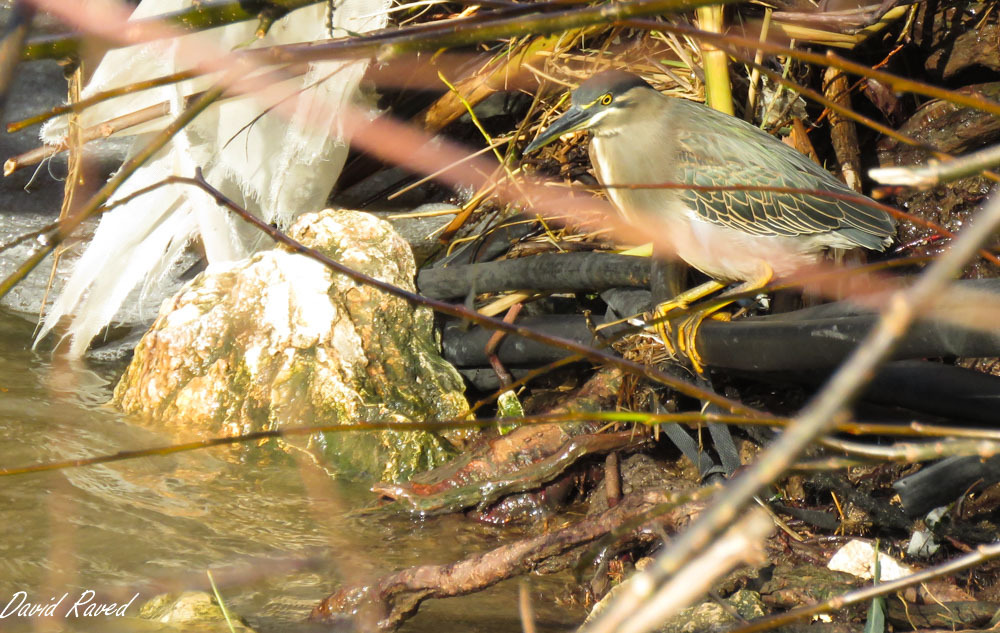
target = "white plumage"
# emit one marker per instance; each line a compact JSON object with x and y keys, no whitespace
{"x":275,"y":165}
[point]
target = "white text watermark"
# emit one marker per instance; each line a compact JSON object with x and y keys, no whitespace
{"x":83,"y":605}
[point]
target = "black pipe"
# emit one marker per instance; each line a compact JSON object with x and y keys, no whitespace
{"x":934,"y":388}
{"x":549,"y":272}
{"x":941,"y":483}
{"x":466,"y":348}
{"x":825,"y":335}
{"x":813,"y":338}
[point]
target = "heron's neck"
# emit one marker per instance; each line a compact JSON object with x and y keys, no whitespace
{"x":607,"y":131}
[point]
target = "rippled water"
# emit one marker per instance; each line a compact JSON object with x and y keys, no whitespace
{"x":277,"y":533}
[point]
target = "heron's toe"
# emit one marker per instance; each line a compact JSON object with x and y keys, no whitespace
{"x":663,"y":327}
{"x":687,"y":336}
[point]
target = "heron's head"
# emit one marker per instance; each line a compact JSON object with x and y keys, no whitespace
{"x":603,"y":102}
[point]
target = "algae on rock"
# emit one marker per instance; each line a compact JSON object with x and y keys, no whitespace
{"x":278,"y":339}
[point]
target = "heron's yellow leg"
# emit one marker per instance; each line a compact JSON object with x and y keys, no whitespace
{"x":687,"y":329}
{"x":681,"y":302}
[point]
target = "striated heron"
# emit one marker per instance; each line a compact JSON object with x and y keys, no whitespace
{"x":642,"y":138}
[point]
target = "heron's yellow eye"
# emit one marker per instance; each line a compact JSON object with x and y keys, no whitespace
{"x":607,"y":99}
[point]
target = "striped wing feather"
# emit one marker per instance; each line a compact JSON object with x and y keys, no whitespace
{"x":714,"y":149}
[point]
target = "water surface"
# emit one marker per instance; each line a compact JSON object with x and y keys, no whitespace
{"x":279,"y":534}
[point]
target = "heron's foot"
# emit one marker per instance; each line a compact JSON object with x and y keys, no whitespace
{"x":681,"y":344}
{"x":663,"y":327}
{"x":687,"y":336}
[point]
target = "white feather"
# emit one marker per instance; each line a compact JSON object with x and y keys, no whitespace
{"x":277,"y":167}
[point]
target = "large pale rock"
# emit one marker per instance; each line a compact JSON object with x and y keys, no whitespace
{"x":278,"y":339}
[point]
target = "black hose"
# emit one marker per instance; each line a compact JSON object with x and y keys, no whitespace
{"x":549,"y":272}
{"x":466,"y":348}
{"x":823,"y":336}
{"x":813,"y":338}
{"x":955,"y":393}
{"x":941,"y":483}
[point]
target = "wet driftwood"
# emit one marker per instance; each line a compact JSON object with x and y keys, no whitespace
{"x":388,"y":601}
{"x":522,"y":460}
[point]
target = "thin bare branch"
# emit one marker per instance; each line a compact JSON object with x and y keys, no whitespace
{"x":926,"y":176}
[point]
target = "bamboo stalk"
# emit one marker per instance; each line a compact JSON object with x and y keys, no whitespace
{"x":201,"y":15}
{"x":718,"y":92}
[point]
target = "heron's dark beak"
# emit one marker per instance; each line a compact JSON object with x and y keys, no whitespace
{"x":576,"y":118}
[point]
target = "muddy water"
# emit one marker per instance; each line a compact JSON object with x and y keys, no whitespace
{"x":278,"y":534}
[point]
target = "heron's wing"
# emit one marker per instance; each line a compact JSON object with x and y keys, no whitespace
{"x":715,"y":149}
